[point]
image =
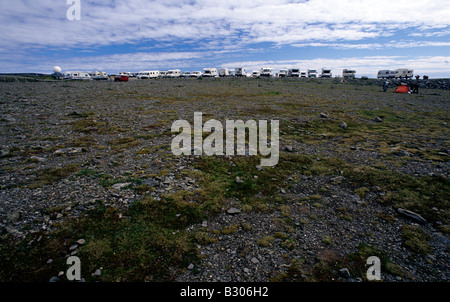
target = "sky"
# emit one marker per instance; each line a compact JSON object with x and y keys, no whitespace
{"x":135,"y":35}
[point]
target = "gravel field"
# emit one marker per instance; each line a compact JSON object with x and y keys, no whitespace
{"x":86,"y":169}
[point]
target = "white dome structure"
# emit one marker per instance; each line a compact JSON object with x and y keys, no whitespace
{"x":56,"y":69}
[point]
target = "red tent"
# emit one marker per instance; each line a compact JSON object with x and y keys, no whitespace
{"x":402,"y":89}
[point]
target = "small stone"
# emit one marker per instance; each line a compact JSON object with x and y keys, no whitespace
{"x":49,"y":261}
{"x":238,"y":180}
{"x":254,"y":260}
{"x":98,"y":272}
{"x":81,"y":241}
{"x":283,"y":191}
{"x":190,"y":267}
{"x":411,"y":215}
{"x":378,"y":119}
{"x":233,"y":211}
{"x":324,"y":114}
{"x":121,"y":185}
{"x":204,"y":223}
{"x":73,"y":247}
{"x":289,"y":148}
{"x":54,"y":279}
{"x":258,"y":167}
{"x":343,"y":125}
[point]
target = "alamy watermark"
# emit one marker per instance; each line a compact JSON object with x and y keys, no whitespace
{"x":74,"y":11}
{"x":374,"y":271}
{"x":213,"y":144}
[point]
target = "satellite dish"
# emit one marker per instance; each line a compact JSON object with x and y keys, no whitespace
{"x":56,"y":69}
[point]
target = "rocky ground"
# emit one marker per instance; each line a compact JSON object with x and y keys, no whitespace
{"x":362,"y":173}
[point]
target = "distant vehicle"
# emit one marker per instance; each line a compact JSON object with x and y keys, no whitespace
{"x":185,"y":74}
{"x":240,"y":72}
{"x":173,"y":73}
{"x":128,"y":74}
{"x":256,"y":74}
{"x":196,"y":74}
{"x":283,"y":73}
{"x":404,"y":73}
{"x":232,"y":73}
{"x":98,"y":75}
{"x":312,"y":73}
{"x":151,"y":74}
{"x":294,"y":73}
{"x":266,"y":72}
{"x":121,"y":78}
{"x":223,"y":72}
{"x":386,"y":74}
{"x":163,"y":74}
{"x":326,"y":73}
{"x":77,"y":75}
{"x":210,"y":72}
{"x":348,"y":73}
{"x":303,"y":74}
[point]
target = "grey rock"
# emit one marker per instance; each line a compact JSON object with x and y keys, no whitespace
{"x":411,"y":215}
{"x":343,"y":125}
{"x":378,"y":119}
{"x":289,"y":148}
{"x":190,"y":267}
{"x":238,"y":180}
{"x":233,"y":211}
{"x":121,"y":185}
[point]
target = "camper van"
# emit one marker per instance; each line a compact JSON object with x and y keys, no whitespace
{"x":152,"y":74}
{"x":223,"y":72}
{"x":283,"y":73}
{"x":173,"y":73}
{"x":196,"y":74}
{"x":294,"y":73}
{"x":303,"y":74}
{"x":312,"y":73}
{"x":266,"y":72}
{"x":404,"y":73}
{"x":240,"y":72}
{"x":386,"y":74}
{"x":326,"y":73}
{"x":77,"y":75}
{"x":210,"y":72}
{"x":348,"y":73}
{"x":98,"y":75}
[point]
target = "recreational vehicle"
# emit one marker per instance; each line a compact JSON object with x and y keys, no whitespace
{"x":283,"y":73}
{"x":348,"y":73}
{"x":312,"y":73}
{"x":185,"y":74}
{"x":294,"y":73}
{"x":196,"y":74}
{"x":210,"y":72}
{"x":404,"y":73}
{"x":303,"y":74}
{"x":173,"y":73}
{"x":386,"y":74}
{"x":240,"y":72}
{"x":98,"y":75}
{"x":266,"y":72}
{"x":148,"y":74}
{"x":77,"y":75}
{"x":326,"y":73}
{"x":256,"y":74}
{"x":223,"y":72}
{"x":163,"y":74}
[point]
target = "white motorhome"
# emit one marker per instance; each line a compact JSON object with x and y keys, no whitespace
{"x":266,"y":72}
{"x":303,"y":74}
{"x":404,"y":73}
{"x":240,"y":72}
{"x":98,"y":75}
{"x":283,"y":73}
{"x":151,"y":74}
{"x":210,"y":72}
{"x":312,"y":73}
{"x":294,"y":73}
{"x":348,"y":73}
{"x":196,"y":74}
{"x":173,"y":73}
{"x":386,"y":74}
{"x":326,"y":73}
{"x":223,"y":72}
{"x":77,"y":75}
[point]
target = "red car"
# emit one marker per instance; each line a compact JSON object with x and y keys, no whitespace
{"x":121,"y":78}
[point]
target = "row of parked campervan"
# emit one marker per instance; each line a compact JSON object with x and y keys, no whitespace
{"x":395,"y":74}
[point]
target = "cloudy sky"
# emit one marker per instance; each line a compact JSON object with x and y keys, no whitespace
{"x":134,"y":35}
